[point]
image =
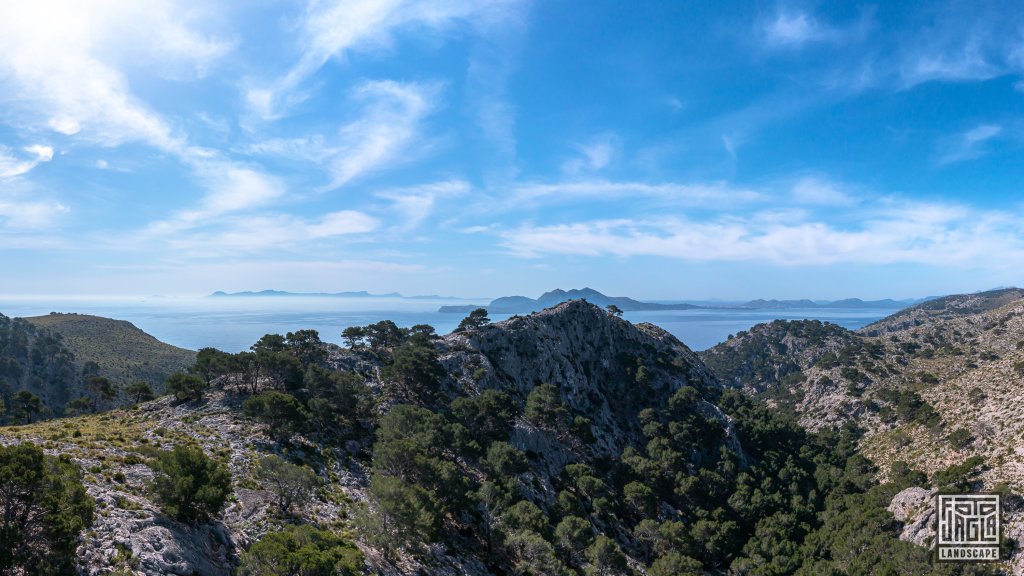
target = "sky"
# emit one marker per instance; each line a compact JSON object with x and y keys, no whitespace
{"x":669,"y":150}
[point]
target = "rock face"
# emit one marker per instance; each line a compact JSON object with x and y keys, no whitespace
{"x":589,"y":355}
{"x":914,"y":507}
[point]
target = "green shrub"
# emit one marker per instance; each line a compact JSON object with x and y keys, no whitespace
{"x":45,"y":510}
{"x":301,"y":551}
{"x":960,"y":438}
{"x":544,"y":407}
{"x":185,"y":386}
{"x":281,"y":412}
{"x":290,"y":483}
{"x":188,"y":485}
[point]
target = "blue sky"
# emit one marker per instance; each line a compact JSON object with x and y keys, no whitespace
{"x":651,"y":149}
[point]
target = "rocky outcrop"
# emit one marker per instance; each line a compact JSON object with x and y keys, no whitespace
{"x":764,"y":356}
{"x":914,"y":507}
{"x":591,"y":356}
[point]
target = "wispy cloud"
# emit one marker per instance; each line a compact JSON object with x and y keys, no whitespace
{"x":716,"y":193}
{"x":899,"y":233}
{"x":25,"y":209}
{"x":334,"y":28}
{"x":11,"y":165}
{"x":258,"y":233}
{"x":24,"y":214}
{"x":594,"y":155}
{"x":58,"y":67}
{"x":968,"y":145}
{"x":819,"y":191}
{"x":794,"y":29}
{"x":232,"y":188}
{"x":388,"y":126}
{"x":22,"y":207}
{"x":960,"y":62}
{"x":414,"y":205}
{"x":255,"y":233}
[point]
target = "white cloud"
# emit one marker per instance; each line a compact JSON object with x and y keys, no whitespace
{"x":968,"y":145}
{"x":42,"y":153}
{"x":713,"y":194}
{"x":962,"y":42}
{"x":794,"y":29}
{"x":818,"y":191}
{"x":61,"y":65}
{"x":729,"y":145}
{"x":595,"y":154}
{"x":28,"y":214}
{"x":259,"y":233}
{"x":981,"y":133}
{"x":230,"y":188}
{"x":966,"y":62}
{"x":413,"y":205}
{"x":933,"y":234}
{"x":11,"y":165}
{"x":333,"y":28}
{"x":340,"y":223}
{"x":389,"y":126}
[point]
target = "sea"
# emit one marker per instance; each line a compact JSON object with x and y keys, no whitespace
{"x":233,"y":324}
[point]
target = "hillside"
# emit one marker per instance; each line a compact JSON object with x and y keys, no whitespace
{"x":36,"y":360}
{"x":124,"y":353}
{"x":569,"y":441}
{"x":933,"y":386}
{"x":765,"y":356}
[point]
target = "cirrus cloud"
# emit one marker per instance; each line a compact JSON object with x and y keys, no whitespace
{"x":935,"y":234}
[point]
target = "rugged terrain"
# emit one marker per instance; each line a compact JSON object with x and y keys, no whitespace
{"x":589,"y":356}
{"x":933,"y":386}
{"x":569,"y":441}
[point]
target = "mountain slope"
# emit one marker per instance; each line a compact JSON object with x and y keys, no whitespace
{"x":934,"y":386}
{"x":124,"y":353}
{"x":567,"y":442}
{"x":38,"y":361}
{"x":765,"y":355}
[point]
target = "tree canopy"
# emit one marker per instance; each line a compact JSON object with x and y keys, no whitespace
{"x":43,"y":510}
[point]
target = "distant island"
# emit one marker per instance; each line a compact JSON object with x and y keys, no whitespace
{"x":526,"y":305}
{"x":846,"y":304}
{"x":358,"y":294}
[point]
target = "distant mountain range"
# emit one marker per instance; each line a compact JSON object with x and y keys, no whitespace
{"x":359,"y":294}
{"x":846,"y":304}
{"x":525,"y":305}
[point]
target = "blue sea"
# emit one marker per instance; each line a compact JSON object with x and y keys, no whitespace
{"x":233,"y":324}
